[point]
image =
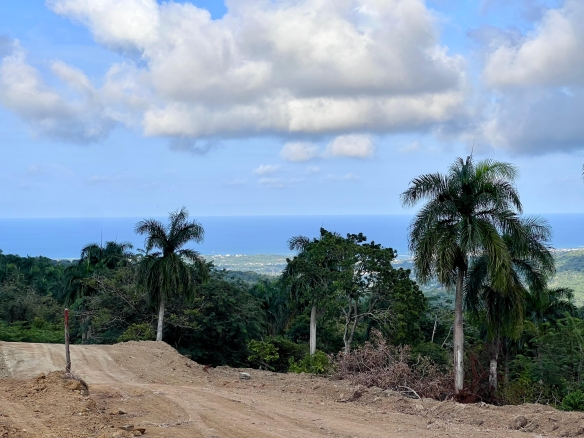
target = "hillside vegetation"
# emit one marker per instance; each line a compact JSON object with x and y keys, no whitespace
{"x":570,"y":272}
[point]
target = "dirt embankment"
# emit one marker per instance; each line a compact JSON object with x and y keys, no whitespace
{"x":150,"y":388}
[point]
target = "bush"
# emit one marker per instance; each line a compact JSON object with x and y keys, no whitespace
{"x":286,"y":350}
{"x":137,"y":332}
{"x":388,"y":367}
{"x":574,"y":401}
{"x":39,"y":331}
{"x":262,"y":353}
{"x":525,"y":387}
{"x":318,"y":363}
{"x":435,"y":352}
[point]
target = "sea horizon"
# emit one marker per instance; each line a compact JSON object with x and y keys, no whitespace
{"x":63,"y":238}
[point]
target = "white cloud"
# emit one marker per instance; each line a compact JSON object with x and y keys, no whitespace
{"x":35,"y":169}
{"x":353,"y":146}
{"x":82,"y":118}
{"x":128,"y":24}
{"x":538,"y":86}
{"x":412,"y":147}
{"x":278,"y":182}
{"x":322,"y":67}
{"x":312,"y":170}
{"x":552,"y":55}
{"x":266,"y":169}
{"x":237,"y":182}
{"x":346,"y":177}
{"x":103,"y":179}
{"x":192,"y":146}
{"x":299,"y":152}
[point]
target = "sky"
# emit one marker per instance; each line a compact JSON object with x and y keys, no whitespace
{"x":282,"y":107}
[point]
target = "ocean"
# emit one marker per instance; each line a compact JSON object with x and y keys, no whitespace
{"x":230,"y":235}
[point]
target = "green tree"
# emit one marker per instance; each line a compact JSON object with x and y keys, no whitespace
{"x":81,"y":279}
{"x":354,"y":277}
{"x":311,"y":274}
{"x":466,"y":211}
{"x":550,"y":305}
{"x":171,"y":269}
{"x":276,"y":304}
{"x":110,"y":256}
{"x":502,"y":310}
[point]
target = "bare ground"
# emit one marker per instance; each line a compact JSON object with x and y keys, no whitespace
{"x":148,"y":385}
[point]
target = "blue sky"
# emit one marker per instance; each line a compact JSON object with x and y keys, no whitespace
{"x":268,"y":107}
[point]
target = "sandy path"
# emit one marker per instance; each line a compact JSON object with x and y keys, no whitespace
{"x":172,"y":397}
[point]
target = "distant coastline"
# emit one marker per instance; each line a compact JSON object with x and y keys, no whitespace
{"x":236,"y":235}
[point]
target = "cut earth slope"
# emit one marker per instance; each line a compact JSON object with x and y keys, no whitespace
{"x":148,"y":385}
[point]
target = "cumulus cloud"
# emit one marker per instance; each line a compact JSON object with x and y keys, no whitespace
{"x":278,"y":182}
{"x":410,"y":148}
{"x":103,"y":179}
{"x":346,"y":177}
{"x":318,"y":67}
{"x":82,"y":118}
{"x":552,"y":55}
{"x":192,"y":146}
{"x":537,"y":83}
{"x":6,"y":46}
{"x":299,"y":152}
{"x":266,"y":169}
{"x":353,"y":146}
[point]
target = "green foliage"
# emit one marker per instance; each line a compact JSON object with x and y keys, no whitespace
{"x":574,"y":401}
{"x":570,"y":273}
{"x":220,"y":325}
{"x":171,"y":269}
{"x":287,"y":350}
{"x":318,"y":363}
{"x":435,"y":352}
{"x":262,"y":353}
{"x":38,"y":331}
{"x":137,"y":332}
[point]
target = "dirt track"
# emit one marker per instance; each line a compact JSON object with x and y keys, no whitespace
{"x":149,"y":385}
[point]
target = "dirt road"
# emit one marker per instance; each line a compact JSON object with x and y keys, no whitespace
{"x":149,"y":385}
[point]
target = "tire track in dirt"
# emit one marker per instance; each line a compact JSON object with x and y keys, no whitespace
{"x":171,"y":396}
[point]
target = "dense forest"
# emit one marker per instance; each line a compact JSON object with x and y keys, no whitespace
{"x":341,"y":305}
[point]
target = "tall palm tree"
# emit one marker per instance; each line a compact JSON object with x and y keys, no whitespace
{"x":465,"y":212}
{"x":503,"y":310}
{"x":171,"y":269}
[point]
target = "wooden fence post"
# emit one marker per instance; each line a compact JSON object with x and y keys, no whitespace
{"x":67,"y":356}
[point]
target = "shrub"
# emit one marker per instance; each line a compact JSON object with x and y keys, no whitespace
{"x":39,"y":331}
{"x":574,"y":401}
{"x":435,"y":352}
{"x":388,"y":367}
{"x":262,"y":353}
{"x":137,"y":332}
{"x":286,"y":350}
{"x":318,"y":363}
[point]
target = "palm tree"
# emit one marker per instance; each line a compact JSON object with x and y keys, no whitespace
{"x":80,"y":279}
{"x":503,"y":310}
{"x":172,"y":269}
{"x":80,"y":284}
{"x":465,"y":212}
{"x":110,"y":256}
{"x":550,"y":305}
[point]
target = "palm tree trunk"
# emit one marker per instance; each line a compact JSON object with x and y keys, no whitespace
{"x":313,"y":330}
{"x":458,"y":334}
{"x":493,"y":363}
{"x":160,"y":320}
